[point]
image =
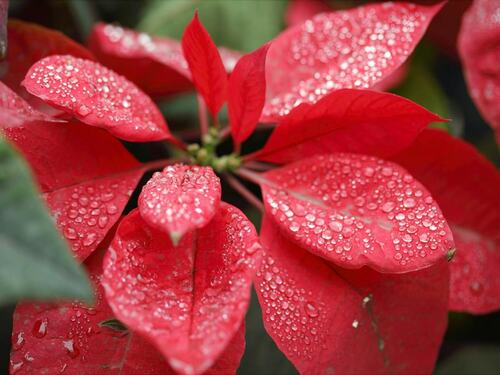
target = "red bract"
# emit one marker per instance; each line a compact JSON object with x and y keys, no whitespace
{"x":180,"y":199}
{"x":357,"y":210}
{"x":479,"y":51}
{"x":247,"y":94}
{"x":208,"y":72}
{"x":188,"y":300}
{"x":358,"y":121}
{"x":453,"y":171}
{"x":85,"y":175}
{"x":73,"y":338}
{"x":29,"y":43}
{"x":96,"y":96}
{"x":328,"y":319}
{"x":157,"y":65}
{"x":344,"y":49}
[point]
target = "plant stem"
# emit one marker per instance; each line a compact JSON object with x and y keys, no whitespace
{"x":252,"y":176}
{"x":244,"y":192}
{"x":258,"y":166}
{"x":203,"y":115}
{"x":161,"y":163}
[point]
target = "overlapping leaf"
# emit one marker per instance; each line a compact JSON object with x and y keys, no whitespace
{"x":180,"y":199}
{"x":73,"y":338}
{"x":85,"y":174}
{"x":349,"y":120}
{"x":29,"y":43}
{"x":480,"y":52}
{"x":345,"y":49}
{"x":205,"y":63}
{"x":157,"y":65}
{"x":327,"y":319}
{"x":465,"y":185}
{"x":247,"y":94}
{"x":188,"y":300}
{"x":358,"y":210}
{"x":97,"y":96}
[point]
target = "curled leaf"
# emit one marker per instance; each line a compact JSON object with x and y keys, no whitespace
{"x":180,"y":199}
{"x":356,"y":210}
{"x":188,"y":300}
{"x":353,"y":48}
{"x":96,"y":96}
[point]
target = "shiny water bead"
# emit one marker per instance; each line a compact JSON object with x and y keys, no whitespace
{"x":479,"y":51}
{"x":345,"y":49}
{"x":474,"y":281}
{"x":97,"y":96}
{"x":163,"y":68}
{"x":357,"y":210}
{"x":180,"y":199}
{"x":190,"y":299}
{"x":85,"y":212}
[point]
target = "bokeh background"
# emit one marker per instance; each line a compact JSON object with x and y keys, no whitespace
{"x":434,"y":80}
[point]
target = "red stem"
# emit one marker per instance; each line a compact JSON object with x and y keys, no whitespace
{"x":244,"y":192}
{"x":203,"y":115}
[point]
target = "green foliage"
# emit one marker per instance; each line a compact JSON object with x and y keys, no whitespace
{"x":238,"y":24}
{"x":472,"y":360}
{"x":34,"y":260}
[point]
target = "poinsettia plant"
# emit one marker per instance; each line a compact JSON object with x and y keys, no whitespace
{"x":363,"y":248}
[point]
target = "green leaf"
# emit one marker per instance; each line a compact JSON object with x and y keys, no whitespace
{"x":239,"y":24}
{"x":114,"y":324}
{"x":471,"y":360}
{"x":35,"y":262}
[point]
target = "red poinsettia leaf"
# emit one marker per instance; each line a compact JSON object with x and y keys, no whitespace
{"x":326,"y":319}
{"x":97,"y":96}
{"x":71,"y":338}
{"x":84,"y":173}
{"x":360,"y":121}
{"x":29,"y":43}
{"x":180,"y":199}
{"x":357,"y":210}
{"x":205,"y":63}
{"x":157,"y":65}
{"x":247,"y":94}
{"x":15,"y":111}
{"x":299,"y":11}
{"x":345,"y":49}
{"x":188,"y":300}
{"x":454,"y":171}
{"x":480,"y":52}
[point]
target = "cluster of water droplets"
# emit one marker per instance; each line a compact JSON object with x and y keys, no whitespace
{"x":356,"y":210}
{"x":94,"y":93}
{"x":129,"y":43}
{"x":191,"y":298}
{"x":85,"y":212}
{"x":345,"y":49}
{"x":180,"y":197}
{"x":293,"y":314}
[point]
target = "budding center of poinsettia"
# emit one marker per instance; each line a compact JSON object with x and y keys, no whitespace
{"x":206,"y":153}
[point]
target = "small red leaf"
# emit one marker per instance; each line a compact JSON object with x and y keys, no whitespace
{"x":97,"y":96}
{"x":299,"y":11}
{"x":325,"y":318}
{"x":358,"y":210}
{"x":345,"y":49}
{"x":205,"y":63}
{"x":15,"y":111}
{"x":29,"y":43}
{"x":156,"y":65}
{"x":180,"y":199}
{"x":86,"y":175}
{"x":188,"y":300}
{"x":480,"y":52}
{"x":466,"y":186}
{"x":349,"y":120}
{"x":247,"y":94}
{"x":71,"y":339}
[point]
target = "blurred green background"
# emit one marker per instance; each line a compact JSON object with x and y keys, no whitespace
{"x":435,"y":80}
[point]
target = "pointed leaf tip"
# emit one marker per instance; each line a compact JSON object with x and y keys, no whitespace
{"x":206,"y":66}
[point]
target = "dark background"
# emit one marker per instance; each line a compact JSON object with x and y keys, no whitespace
{"x":435,"y":80}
